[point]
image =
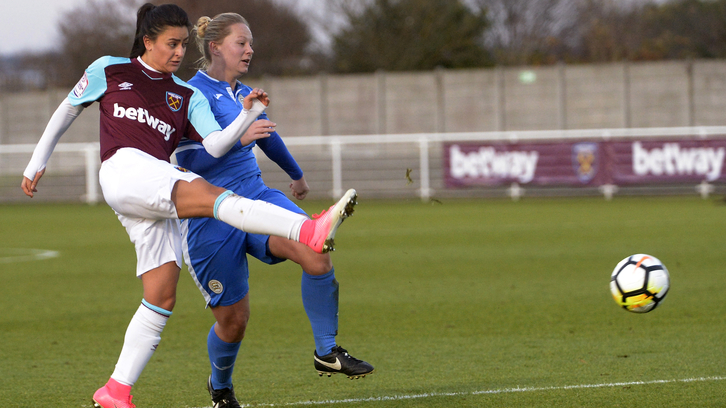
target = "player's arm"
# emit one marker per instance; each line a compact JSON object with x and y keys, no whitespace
{"x":89,"y":89}
{"x":275,"y":148}
{"x":219,"y":142}
{"x":58,"y":124}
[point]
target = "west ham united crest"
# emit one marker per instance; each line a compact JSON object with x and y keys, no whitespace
{"x":584,"y":161}
{"x":174,"y":101}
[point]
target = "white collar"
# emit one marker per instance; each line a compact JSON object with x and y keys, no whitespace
{"x":239,"y":84}
{"x":147,"y":66}
{"x":209,"y":77}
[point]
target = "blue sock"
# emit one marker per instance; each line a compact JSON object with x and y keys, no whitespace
{"x":320,"y":299}
{"x":222,"y":356}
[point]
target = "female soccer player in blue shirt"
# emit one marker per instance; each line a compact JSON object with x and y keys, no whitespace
{"x":215,"y":253}
{"x":145,"y":111}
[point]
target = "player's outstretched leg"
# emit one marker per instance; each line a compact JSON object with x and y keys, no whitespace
{"x":339,"y":361}
{"x":223,"y":398}
{"x":327,"y":222}
{"x":259,"y":217}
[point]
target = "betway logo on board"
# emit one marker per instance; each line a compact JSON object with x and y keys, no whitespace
{"x":142,"y":115}
{"x":672,"y":160}
{"x":489,"y":163}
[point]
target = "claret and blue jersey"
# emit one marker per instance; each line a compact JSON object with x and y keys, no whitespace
{"x":142,"y":108}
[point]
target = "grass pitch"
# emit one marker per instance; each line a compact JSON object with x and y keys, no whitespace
{"x":465,"y":303}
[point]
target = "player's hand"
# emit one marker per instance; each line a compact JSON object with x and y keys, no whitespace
{"x":258,"y":94}
{"x":259,"y":129}
{"x":299,"y":188}
{"x":29,"y":186}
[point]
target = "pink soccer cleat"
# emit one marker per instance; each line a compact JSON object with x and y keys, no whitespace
{"x":327,"y":222}
{"x":103,"y":399}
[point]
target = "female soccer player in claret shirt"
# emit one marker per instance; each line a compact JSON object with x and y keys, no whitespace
{"x":145,"y":112}
{"x":216,"y":253}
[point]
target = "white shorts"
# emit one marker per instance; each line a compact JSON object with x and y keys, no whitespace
{"x":138,"y":187}
{"x":157,"y":242}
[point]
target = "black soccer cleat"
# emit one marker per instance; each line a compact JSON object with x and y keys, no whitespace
{"x":339,"y":361}
{"x":223,"y":398}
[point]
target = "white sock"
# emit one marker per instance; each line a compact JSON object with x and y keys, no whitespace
{"x":259,"y":217}
{"x":142,"y":337}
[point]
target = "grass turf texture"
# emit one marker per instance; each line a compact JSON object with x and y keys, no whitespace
{"x":445,"y":300}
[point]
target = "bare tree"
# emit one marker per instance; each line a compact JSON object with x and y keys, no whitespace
{"x":399,"y":35}
{"x":608,"y":31}
{"x":529,"y":32}
{"x":95,"y":29}
{"x":107,"y":27}
{"x":280,"y":42}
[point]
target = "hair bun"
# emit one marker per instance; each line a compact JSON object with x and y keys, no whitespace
{"x":202,"y":25}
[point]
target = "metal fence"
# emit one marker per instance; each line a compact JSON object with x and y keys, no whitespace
{"x":403,"y":166}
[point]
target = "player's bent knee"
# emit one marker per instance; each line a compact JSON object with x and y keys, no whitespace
{"x":233,"y":330}
{"x":322,"y":264}
{"x":232,"y":320}
{"x":195,"y":198}
{"x":312,"y":262}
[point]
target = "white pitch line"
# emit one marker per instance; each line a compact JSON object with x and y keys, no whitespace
{"x":607,"y":385}
{"x":10,"y":255}
{"x":498,"y":391}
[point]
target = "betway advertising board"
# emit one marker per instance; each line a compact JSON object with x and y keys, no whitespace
{"x":585,"y":163}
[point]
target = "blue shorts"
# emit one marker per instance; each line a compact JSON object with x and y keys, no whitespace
{"x":216,"y":253}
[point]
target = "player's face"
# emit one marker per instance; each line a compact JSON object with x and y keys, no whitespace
{"x":166,"y":53}
{"x":236,"y":51}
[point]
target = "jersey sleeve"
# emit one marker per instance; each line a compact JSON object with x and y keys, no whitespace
{"x":200,"y":114}
{"x":92,"y":84}
{"x":58,"y":124}
{"x":277,"y":151}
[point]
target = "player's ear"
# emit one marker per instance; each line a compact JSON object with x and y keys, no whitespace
{"x":214,"y":48}
{"x":148,"y":43}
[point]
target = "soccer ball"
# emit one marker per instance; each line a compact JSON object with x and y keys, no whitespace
{"x":639,"y":283}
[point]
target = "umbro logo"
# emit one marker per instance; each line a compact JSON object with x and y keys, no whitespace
{"x":125,"y":86}
{"x":335,"y":366}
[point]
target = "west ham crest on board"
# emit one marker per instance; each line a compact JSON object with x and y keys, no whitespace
{"x":584,"y":160}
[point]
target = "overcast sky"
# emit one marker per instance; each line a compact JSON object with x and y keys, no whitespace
{"x":31,"y":25}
